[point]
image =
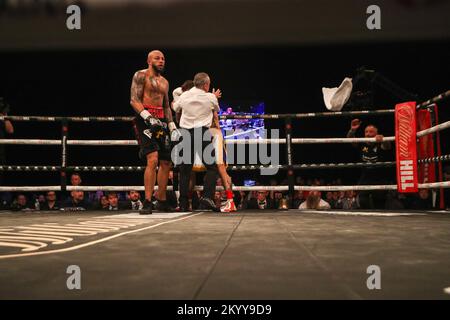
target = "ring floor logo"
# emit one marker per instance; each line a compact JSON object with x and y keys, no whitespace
{"x":50,"y":237}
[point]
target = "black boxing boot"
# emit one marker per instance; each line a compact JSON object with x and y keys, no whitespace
{"x":164,"y":206}
{"x":146,"y":208}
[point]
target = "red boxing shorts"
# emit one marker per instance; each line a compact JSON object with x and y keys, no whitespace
{"x":155,"y":111}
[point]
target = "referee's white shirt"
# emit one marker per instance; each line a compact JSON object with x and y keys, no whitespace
{"x":197,"y":106}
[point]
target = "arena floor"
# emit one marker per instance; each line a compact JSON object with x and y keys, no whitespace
{"x":248,"y":255}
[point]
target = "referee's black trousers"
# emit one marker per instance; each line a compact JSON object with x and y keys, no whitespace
{"x":209,"y":185}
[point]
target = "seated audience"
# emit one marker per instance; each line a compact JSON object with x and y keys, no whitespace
{"x":298,"y":199}
{"x":422,"y":200}
{"x":113,"y":200}
{"x":133,"y":201}
{"x":348,"y":201}
{"x":243,"y":200}
{"x":314,"y":202}
{"x":329,"y":197}
{"x":75,"y":179}
{"x":218,"y":199}
{"x":261,"y":202}
{"x":103,"y":203}
{"x":51,"y":203}
{"x":393,"y":201}
{"x":277,"y":199}
{"x":76,"y":200}
{"x":20,"y":203}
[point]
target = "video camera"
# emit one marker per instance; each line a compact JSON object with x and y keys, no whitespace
{"x":371,"y":88}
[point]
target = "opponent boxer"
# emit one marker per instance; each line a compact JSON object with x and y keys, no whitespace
{"x":153,"y":122}
{"x":229,"y":205}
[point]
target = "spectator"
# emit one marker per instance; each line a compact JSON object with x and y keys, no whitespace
{"x":243,"y":200}
{"x":20,"y":203}
{"x":133,"y":201}
{"x":298,"y":199}
{"x":329,"y":197}
{"x":422,"y":201}
{"x":315,"y":202}
{"x":349,"y":200}
{"x":39,"y":202}
{"x":371,"y":153}
{"x":77,"y":201}
{"x":261,"y":202}
{"x":299,"y":181}
{"x":276,"y":199}
{"x":75,"y":179}
{"x":336,"y":202}
{"x":103,"y":203}
{"x":218,"y":199}
{"x":51,"y":203}
{"x":393,"y":202}
{"x":339,"y":197}
{"x":113,"y":200}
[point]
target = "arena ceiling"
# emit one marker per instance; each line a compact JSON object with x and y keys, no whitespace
{"x":192,"y":23}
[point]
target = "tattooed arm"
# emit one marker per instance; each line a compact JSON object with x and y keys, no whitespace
{"x":167,"y":109}
{"x":137,"y":91}
{"x":137,"y":94}
{"x":174,"y":132}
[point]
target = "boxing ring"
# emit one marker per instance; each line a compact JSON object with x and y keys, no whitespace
{"x":251,"y":254}
{"x":289,"y":141}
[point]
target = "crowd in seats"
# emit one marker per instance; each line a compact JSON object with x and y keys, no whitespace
{"x":251,"y":200}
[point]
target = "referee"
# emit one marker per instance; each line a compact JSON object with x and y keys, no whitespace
{"x":197,"y":106}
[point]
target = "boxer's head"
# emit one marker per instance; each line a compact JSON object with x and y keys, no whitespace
{"x":156,"y":61}
{"x":187,"y":85}
{"x":202,"y":81}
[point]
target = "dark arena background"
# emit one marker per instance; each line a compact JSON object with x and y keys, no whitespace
{"x":280,"y":53}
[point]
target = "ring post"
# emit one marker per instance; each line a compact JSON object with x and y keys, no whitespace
{"x":64,"y":134}
{"x":440,"y":203}
{"x":290,"y":171}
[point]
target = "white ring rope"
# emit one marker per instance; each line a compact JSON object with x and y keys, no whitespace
{"x":231,"y":141}
{"x":434,"y":185}
{"x":424,"y":104}
{"x":439,"y":127}
{"x":102,"y":142}
{"x":31,"y":141}
{"x":337,"y":140}
{"x":436,"y":128}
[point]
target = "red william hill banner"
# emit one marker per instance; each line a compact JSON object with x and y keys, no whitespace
{"x":405,"y":142}
{"x":426,"y":148}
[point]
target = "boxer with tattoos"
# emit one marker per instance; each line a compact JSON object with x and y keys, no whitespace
{"x":153,"y":125}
